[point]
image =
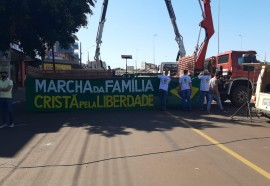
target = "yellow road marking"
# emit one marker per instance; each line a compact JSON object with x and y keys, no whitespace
{"x":223,"y":147}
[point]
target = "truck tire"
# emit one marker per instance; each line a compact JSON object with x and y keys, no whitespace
{"x":239,"y":95}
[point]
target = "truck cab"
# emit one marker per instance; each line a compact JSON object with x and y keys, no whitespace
{"x":262,"y":94}
{"x":237,"y":80}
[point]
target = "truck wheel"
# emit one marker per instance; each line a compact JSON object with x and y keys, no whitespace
{"x":239,"y":95}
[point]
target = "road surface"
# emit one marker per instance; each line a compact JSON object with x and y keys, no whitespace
{"x":135,"y":148}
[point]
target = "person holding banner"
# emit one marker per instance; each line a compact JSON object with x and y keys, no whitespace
{"x":204,"y":78}
{"x":185,"y":88}
{"x":163,"y":89}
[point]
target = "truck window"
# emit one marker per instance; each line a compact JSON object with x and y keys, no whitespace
{"x":173,"y":68}
{"x":223,"y":59}
{"x":240,"y":60}
{"x":247,"y":58}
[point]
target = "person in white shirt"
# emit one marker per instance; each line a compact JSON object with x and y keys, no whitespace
{"x":6,"y":86}
{"x":185,"y":85}
{"x":163,"y":89}
{"x":204,"y":77}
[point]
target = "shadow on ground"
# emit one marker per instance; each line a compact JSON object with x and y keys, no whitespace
{"x":106,"y":123}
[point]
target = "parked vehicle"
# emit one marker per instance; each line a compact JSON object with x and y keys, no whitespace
{"x":262,"y":94}
{"x":171,"y":67}
{"x":237,"y":79}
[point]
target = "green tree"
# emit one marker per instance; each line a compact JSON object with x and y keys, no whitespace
{"x":35,"y":24}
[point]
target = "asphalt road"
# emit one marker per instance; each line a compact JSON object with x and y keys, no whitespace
{"x":135,"y":148}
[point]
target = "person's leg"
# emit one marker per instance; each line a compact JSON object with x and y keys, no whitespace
{"x":4,"y":110}
{"x":182,"y":95}
{"x":219,"y":103}
{"x":202,"y":95}
{"x":184,"y":103}
{"x":10,"y":111}
{"x":209,"y":102}
{"x":161,"y":96}
{"x":165,"y":100}
{"x":206,"y":97}
{"x":188,"y":94}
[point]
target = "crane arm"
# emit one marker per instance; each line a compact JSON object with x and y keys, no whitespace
{"x":178,"y":37}
{"x":207,"y":24}
{"x":100,"y":32}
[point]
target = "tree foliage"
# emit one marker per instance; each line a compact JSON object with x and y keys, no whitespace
{"x":33,"y":24}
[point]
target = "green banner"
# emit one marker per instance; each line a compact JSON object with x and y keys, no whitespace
{"x":98,"y":94}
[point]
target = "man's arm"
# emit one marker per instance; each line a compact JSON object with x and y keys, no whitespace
{"x":6,"y":89}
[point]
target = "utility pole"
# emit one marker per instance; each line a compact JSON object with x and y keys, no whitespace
{"x":136,"y":60}
{"x":154,"y":60}
{"x":80,"y":54}
{"x":240,"y":35}
{"x":218,"y":22}
{"x":126,"y":57}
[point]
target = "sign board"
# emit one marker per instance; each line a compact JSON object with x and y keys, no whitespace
{"x":49,"y":66}
{"x":44,"y":94}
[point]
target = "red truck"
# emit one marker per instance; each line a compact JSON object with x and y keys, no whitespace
{"x":236,"y":77}
{"x":237,"y":80}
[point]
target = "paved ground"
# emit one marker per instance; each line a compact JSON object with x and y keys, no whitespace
{"x":133,"y":148}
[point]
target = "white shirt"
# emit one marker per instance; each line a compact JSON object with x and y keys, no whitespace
{"x":164,"y":82}
{"x":4,"y":84}
{"x":213,"y":86}
{"x":185,"y":80}
{"x":205,"y":79}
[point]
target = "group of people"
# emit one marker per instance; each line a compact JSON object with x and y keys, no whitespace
{"x":208,"y":90}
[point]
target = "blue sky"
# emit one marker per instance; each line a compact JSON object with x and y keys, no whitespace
{"x":142,"y":28}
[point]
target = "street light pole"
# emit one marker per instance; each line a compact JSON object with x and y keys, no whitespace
{"x":218,"y":22}
{"x":136,"y":59}
{"x":86,"y":50}
{"x":240,"y":35}
{"x":80,"y":54}
{"x":154,"y":60}
{"x":126,"y":57}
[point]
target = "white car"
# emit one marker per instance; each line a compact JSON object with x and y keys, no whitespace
{"x":262,"y":94}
